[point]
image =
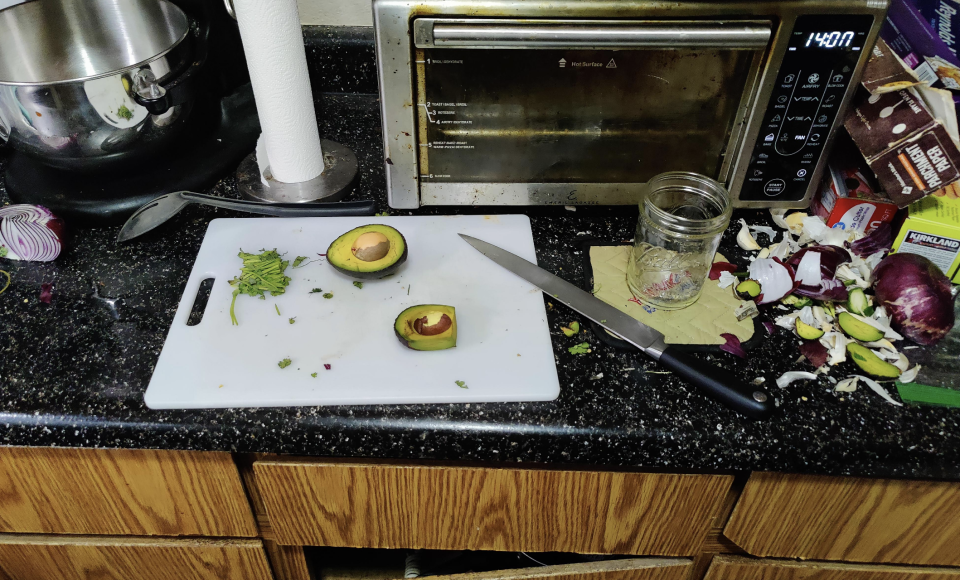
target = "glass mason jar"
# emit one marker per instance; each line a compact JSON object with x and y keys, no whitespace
{"x":682,"y":216}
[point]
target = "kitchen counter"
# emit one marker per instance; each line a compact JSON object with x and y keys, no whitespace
{"x":73,"y":372}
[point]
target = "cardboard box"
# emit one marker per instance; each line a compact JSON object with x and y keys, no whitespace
{"x":920,"y":46}
{"x":885,"y":72}
{"x":944,"y":18}
{"x":847,"y":201}
{"x":908,"y":149}
{"x":932,"y":229}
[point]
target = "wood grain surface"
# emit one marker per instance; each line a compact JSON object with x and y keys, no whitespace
{"x":287,"y":562}
{"x":630,"y":569}
{"x":740,"y":568}
{"x":845,"y":518}
{"x":439,"y":507}
{"x":32,"y":557}
{"x":122,"y":491}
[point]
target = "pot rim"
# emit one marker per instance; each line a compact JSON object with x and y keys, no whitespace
{"x":114,"y":72}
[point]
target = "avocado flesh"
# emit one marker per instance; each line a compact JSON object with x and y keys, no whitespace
{"x":871,"y":363}
{"x":342,"y":257}
{"x":407,"y":323}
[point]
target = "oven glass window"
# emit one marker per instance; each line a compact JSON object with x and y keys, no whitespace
{"x":581,"y":116}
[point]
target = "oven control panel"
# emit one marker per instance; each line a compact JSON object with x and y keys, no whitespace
{"x":821,"y":56}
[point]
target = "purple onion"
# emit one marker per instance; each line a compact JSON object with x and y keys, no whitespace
{"x":917,"y":295}
{"x":732,"y":345}
{"x":830,"y":259}
{"x":30,"y":232}
{"x":814,"y":352}
{"x":831,"y":290}
{"x":879,"y":240}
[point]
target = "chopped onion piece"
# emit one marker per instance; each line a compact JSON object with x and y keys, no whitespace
{"x":718,"y":267}
{"x":727,"y":280}
{"x":836,"y":343}
{"x":808,"y":270}
{"x":788,"y":321}
{"x":775,"y":279}
{"x":847,"y":385}
{"x":814,"y":352}
{"x":770,"y":232}
{"x":794,"y":222}
{"x":732,"y":345}
{"x":879,"y":390}
{"x":910,"y":375}
{"x":791,"y":376}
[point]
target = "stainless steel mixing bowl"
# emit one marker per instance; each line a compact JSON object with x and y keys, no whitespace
{"x":84,"y":84}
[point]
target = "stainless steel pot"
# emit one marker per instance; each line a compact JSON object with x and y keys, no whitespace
{"x":85,"y":84}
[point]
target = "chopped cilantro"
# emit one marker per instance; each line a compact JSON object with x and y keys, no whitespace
{"x":314,"y":375}
{"x":328,"y":295}
{"x":260,"y":273}
{"x":284,"y":363}
{"x":316,"y":291}
{"x":381,"y":214}
{"x":124,"y":113}
{"x":358,"y":284}
{"x":299,"y":260}
{"x":582,"y":348}
{"x":278,"y":309}
{"x":462,"y":384}
{"x":3,"y":251}
{"x":292,"y":320}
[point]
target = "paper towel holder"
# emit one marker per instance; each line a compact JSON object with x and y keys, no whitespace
{"x":335,"y":183}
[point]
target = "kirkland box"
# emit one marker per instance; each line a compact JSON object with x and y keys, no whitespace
{"x":932,"y":229}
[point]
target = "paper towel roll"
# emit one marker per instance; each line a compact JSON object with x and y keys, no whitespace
{"x":273,"y":44}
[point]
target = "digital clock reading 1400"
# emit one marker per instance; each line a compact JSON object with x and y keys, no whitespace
{"x":834,"y":39}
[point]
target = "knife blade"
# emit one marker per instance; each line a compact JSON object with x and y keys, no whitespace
{"x":715,"y":382}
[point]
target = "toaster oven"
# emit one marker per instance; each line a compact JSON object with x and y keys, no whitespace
{"x":568,"y":102}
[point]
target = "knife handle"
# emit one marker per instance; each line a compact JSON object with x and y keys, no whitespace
{"x":719,"y":384}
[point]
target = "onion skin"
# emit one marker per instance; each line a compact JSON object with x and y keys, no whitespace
{"x":917,"y":295}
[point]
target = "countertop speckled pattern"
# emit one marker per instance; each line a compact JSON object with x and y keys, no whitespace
{"x":73,"y":372}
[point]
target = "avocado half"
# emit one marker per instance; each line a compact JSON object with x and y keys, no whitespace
{"x":368,"y":252}
{"x":427,"y":327}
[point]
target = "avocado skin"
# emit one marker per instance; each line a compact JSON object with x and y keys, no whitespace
{"x":414,"y":341}
{"x":373,"y":274}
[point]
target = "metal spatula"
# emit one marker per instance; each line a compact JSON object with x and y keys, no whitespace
{"x":161,"y":209}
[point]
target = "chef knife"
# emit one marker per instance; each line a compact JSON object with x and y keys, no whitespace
{"x":715,"y":382}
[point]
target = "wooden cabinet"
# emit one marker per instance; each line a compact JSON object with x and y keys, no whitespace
{"x":438,"y":507}
{"x":626,"y":569}
{"x":32,"y":557}
{"x":845,"y":518}
{"x":739,"y":568}
{"x":122,"y":492}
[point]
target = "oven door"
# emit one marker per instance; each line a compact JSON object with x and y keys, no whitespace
{"x":523,"y":112}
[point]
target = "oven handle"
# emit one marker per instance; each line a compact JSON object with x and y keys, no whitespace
{"x":437,"y":33}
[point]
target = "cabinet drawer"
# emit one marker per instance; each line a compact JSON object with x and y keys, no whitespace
{"x":625,"y":569}
{"x":26,"y":557}
{"x":121,"y":492}
{"x":737,"y":568}
{"x":845,"y":518}
{"x":473,"y":508}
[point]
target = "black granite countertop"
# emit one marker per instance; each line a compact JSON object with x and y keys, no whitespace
{"x":73,"y":372}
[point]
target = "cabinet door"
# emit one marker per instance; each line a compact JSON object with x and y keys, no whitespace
{"x":846,"y":518}
{"x":27,"y":557}
{"x":122,"y":491}
{"x":453,"y":508}
{"x":737,"y":568}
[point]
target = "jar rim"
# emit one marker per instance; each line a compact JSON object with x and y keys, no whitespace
{"x":695,"y":183}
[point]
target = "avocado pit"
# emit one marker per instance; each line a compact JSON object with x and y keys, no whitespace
{"x":371,"y":246}
{"x":432,"y":324}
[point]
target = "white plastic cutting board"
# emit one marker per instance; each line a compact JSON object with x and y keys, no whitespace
{"x":503,"y":350}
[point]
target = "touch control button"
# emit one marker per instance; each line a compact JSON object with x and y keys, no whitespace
{"x":774,"y":187}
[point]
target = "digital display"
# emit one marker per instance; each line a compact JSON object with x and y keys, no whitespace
{"x":830,"y":39}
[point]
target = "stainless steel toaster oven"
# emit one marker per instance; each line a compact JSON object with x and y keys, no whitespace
{"x":525,"y":102}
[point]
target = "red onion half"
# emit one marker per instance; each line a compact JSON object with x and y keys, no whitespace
{"x":30,"y":232}
{"x":917,"y":295}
